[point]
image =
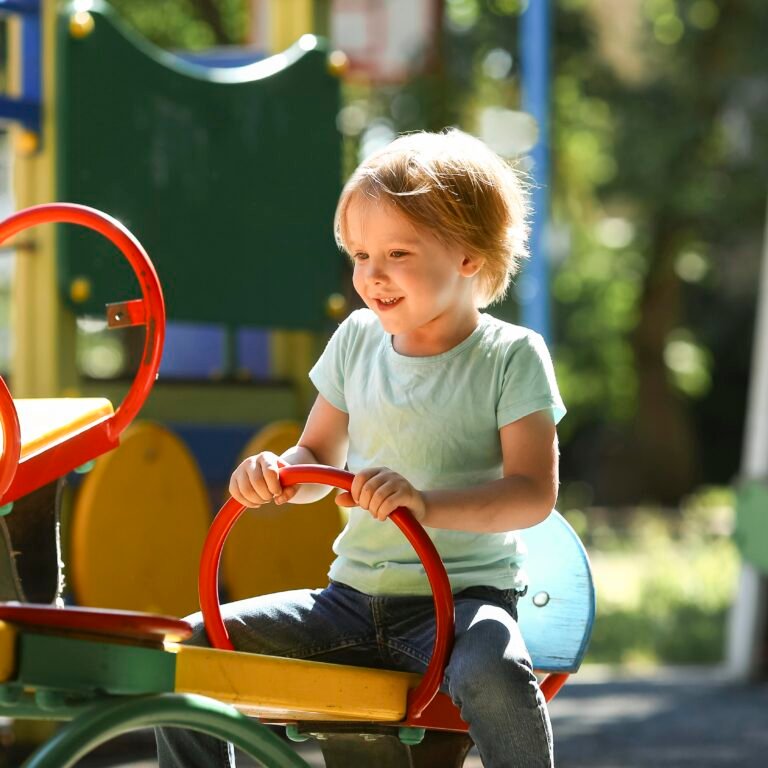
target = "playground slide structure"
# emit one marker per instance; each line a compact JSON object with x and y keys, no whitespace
{"x":109,"y":672}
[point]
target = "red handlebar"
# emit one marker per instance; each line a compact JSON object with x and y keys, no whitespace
{"x":154,"y":314}
{"x":9,"y":460}
{"x":420,"y":696}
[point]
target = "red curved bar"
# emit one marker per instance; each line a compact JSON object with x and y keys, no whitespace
{"x":128,"y":625}
{"x":420,"y":696}
{"x":9,"y":419}
{"x":114,"y":231}
{"x":552,"y":683}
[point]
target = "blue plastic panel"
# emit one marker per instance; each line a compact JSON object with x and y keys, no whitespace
{"x":556,"y":632}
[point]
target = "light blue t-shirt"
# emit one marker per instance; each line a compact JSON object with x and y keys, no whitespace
{"x":435,"y":420}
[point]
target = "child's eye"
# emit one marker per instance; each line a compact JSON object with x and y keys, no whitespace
{"x":359,"y":257}
{"x":398,"y":254}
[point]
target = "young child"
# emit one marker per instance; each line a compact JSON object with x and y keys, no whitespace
{"x":436,"y":407}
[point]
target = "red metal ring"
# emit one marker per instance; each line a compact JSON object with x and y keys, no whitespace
{"x":228,"y":515}
{"x":114,"y":231}
{"x":11,"y":455}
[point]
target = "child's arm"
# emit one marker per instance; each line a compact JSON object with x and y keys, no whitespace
{"x":323,"y":441}
{"x":522,"y":498}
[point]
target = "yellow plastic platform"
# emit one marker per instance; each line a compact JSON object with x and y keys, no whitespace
{"x":292,"y":689}
{"x":273,"y":548}
{"x":138,"y":526}
{"x":276,"y":689}
{"x":46,"y":422}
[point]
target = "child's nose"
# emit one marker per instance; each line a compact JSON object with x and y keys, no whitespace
{"x":377,"y":273}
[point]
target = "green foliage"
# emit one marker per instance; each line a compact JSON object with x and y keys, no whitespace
{"x":186,"y":24}
{"x":659,"y":175}
{"x":664,"y":583}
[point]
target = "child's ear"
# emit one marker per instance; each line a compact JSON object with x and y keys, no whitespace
{"x":470,"y":265}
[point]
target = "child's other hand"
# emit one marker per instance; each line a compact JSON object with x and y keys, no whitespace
{"x":381,"y":491}
{"x":256,"y":481}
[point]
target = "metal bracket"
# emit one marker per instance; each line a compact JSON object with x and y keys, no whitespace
{"x":122,"y":314}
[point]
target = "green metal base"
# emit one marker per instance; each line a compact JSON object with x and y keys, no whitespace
{"x":104,"y":721}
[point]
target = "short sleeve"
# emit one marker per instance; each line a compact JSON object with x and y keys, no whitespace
{"x":327,"y":374}
{"x":529,"y":383}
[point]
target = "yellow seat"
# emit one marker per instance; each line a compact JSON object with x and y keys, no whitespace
{"x":46,"y":422}
{"x":57,"y":436}
{"x":280,"y":689}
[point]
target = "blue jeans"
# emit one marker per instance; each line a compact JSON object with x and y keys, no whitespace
{"x":488,"y":676}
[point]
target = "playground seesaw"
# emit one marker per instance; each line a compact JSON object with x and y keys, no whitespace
{"x":109,"y":672}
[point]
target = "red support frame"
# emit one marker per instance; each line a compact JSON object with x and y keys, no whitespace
{"x":39,"y":469}
{"x":9,"y":460}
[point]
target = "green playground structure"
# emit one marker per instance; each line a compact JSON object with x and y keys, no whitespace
{"x":230,"y":174}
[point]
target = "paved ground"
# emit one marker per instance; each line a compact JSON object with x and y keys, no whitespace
{"x":670,"y":719}
{"x":677,"y":719}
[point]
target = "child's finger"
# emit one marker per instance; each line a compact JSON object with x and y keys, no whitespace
{"x":344,"y":499}
{"x":286,"y":495}
{"x":369,"y":491}
{"x":271,"y":478}
{"x":244,"y":492}
{"x":388,"y":506}
{"x":361,"y":479}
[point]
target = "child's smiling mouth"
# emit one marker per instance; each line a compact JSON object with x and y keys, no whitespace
{"x":385,"y":304}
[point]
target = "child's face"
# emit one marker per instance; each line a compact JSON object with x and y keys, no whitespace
{"x":420,"y":288}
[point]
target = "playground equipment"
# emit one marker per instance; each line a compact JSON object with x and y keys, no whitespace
{"x":215,"y":167}
{"x":113,"y":671}
{"x":62,"y":435}
{"x":354,"y":711}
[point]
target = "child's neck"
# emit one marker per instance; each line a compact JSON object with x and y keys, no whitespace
{"x":440,"y":335}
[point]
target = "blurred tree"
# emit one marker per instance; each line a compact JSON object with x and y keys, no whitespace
{"x":689,"y":177}
{"x":187,"y":24}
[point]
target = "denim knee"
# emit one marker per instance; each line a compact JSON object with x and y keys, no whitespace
{"x":486,"y":684}
{"x":505,"y":709}
{"x":198,"y":637}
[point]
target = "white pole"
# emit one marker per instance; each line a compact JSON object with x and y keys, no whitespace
{"x":748,"y":621}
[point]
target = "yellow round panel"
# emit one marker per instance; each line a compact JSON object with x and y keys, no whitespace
{"x":276,"y":548}
{"x":138,"y":526}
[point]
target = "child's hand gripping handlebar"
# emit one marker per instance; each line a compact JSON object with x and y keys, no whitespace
{"x":420,"y":696}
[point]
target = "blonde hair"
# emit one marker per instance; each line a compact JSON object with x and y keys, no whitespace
{"x":454,"y":185}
